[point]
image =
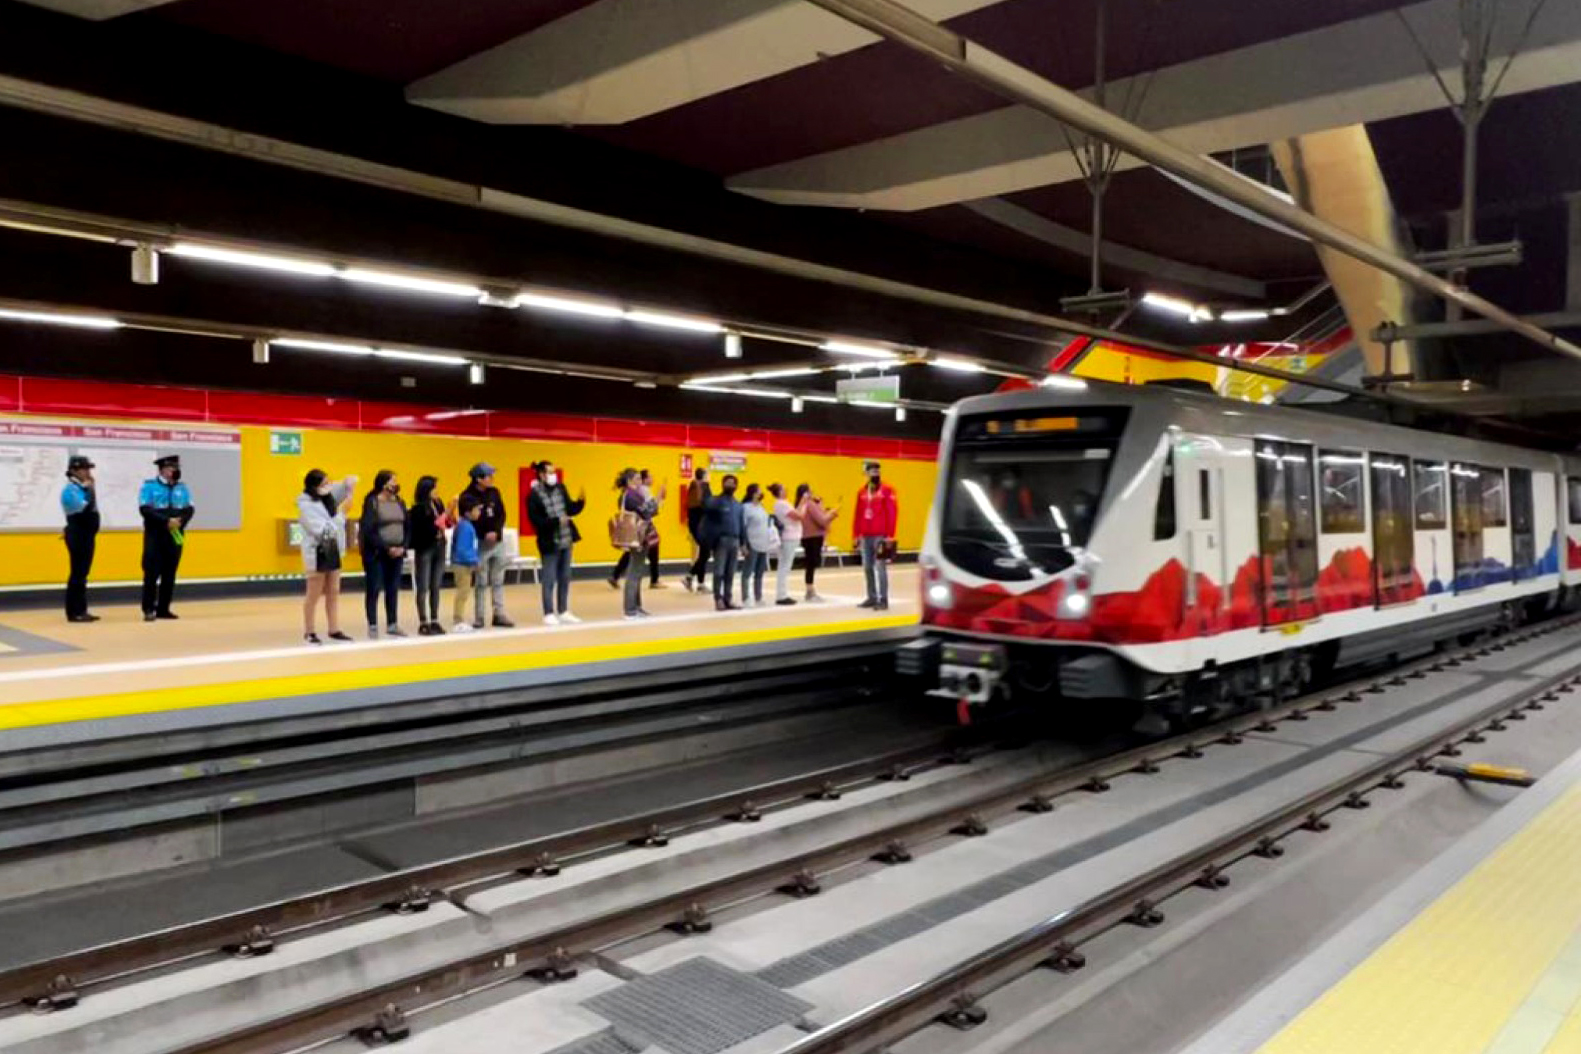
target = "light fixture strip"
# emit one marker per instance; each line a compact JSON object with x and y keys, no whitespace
{"x":57,"y":318}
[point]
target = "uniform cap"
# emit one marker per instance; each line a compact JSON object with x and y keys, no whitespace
{"x":168,"y":461}
{"x":79,"y":461}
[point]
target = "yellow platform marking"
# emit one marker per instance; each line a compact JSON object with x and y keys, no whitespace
{"x":86,"y":708}
{"x":1450,"y":981}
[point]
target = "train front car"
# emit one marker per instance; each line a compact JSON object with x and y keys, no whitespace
{"x":1048,"y":549}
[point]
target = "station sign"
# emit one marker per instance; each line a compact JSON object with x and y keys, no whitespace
{"x":285,"y":443}
{"x":726,"y":461}
{"x":869,"y":389}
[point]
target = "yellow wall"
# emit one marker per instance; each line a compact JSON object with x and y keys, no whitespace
{"x":1108,"y":363}
{"x":270,"y":484}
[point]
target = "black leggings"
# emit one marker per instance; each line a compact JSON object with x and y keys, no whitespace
{"x":381,"y":573}
{"x":813,"y":548}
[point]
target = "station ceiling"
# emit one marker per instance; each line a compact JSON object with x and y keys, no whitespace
{"x":772,"y":123}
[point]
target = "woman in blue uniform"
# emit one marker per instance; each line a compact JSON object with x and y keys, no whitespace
{"x":80,"y":502}
{"x":166,"y":505}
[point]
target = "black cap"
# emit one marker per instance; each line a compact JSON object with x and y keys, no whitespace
{"x":168,"y":461}
{"x":79,"y":462}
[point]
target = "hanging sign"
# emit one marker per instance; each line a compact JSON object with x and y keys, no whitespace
{"x":869,"y":389}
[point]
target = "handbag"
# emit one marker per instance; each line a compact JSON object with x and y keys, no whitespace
{"x":626,"y":529}
{"x":327,"y":553}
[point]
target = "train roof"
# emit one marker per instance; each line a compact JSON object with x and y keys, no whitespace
{"x":1158,"y":407}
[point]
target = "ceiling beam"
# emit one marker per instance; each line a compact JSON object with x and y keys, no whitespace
{"x":619,"y":60}
{"x":97,"y":10}
{"x":1354,"y":72}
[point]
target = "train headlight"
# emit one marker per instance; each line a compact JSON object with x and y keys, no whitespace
{"x":1075,"y":605}
{"x":940,"y":595}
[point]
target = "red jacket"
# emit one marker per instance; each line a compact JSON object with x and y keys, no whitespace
{"x":876,"y":514}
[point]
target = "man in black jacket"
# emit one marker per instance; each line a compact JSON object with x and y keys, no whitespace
{"x":553,"y":516}
{"x":492,"y":557}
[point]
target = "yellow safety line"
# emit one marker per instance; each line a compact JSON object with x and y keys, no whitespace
{"x":86,"y":708}
{"x":1449,"y":981}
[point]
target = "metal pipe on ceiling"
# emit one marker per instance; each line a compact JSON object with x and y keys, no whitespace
{"x":107,"y":113}
{"x":898,"y":23}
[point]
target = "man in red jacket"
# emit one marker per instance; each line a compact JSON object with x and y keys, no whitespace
{"x":877,"y":514}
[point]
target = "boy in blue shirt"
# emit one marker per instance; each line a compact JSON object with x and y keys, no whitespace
{"x":464,"y":563}
{"x":166,"y":505}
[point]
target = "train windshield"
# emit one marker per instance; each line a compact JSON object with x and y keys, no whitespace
{"x":1024,"y":492}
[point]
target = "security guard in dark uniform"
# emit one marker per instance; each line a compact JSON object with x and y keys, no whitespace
{"x":167,"y":509}
{"x":80,"y":502}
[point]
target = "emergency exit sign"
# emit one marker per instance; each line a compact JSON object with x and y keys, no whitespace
{"x":285,"y":443}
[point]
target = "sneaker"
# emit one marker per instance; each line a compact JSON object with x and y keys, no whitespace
{"x":813,"y":598}
{"x":148,"y":616}
{"x":83,"y":618}
{"x":373,"y":632}
{"x":785,"y":602}
{"x":462,"y":627}
{"x":551,"y":620}
{"x":169,"y":615}
{"x":423,"y":629}
{"x":435,"y":630}
{"x":686,"y":583}
{"x":478,"y":624}
{"x":868,"y":603}
{"x":501,"y":622}
{"x":312,"y":638}
{"x":338,"y":635}
{"x":657,"y":585}
{"x":394,"y":631}
{"x":719,"y":605}
{"x":644,"y":613}
{"x":614,"y":583}
{"x":569,"y":619}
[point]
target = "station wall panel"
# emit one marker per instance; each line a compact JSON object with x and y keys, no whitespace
{"x":347,"y":437}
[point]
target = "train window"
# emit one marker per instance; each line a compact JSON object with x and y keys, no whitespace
{"x":1164,"y":511}
{"x":1467,"y":504}
{"x":1340,"y":499}
{"x":1204,"y":495}
{"x":1287,"y":531}
{"x":1494,"y":505}
{"x":1574,"y":487}
{"x":1523,"y":528}
{"x":1432,"y":495}
{"x":1393,"y":540}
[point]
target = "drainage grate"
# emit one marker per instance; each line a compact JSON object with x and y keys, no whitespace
{"x":695,"y":1007}
{"x":598,"y":1043}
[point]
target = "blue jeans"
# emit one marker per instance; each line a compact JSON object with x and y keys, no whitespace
{"x":752,"y":570}
{"x":556,"y":581}
{"x":725,"y":551}
{"x":876,"y":571}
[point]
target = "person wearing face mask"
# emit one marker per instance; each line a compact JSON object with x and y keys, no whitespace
{"x":698,"y":495}
{"x":877,"y":515}
{"x":384,"y":534}
{"x":321,"y":513}
{"x":815,"y":521}
{"x":645,"y":489}
{"x":166,"y":505}
{"x":553,"y":514}
{"x":429,"y":520}
{"x":79,"y":501}
{"x":762,"y":539}
{"x":723,"y":529}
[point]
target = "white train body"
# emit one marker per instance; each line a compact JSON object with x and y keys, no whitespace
{"x":1149,"y":543}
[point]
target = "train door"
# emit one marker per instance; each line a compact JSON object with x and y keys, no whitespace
{"x":1523,"y":525}
{"x":1393,"y":532}
{"x":1430,"y":490}
{"x":1465,"y":503}
{"x":1200,"y":491}
{"x":1287,"y":531}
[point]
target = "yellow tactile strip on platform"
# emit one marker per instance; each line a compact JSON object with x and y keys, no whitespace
{"x":1450,"y":981}
{"x":87,"y":708}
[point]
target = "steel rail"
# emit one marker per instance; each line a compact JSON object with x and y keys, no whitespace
{"x":894,"y":21}
{"x":554,"y":951}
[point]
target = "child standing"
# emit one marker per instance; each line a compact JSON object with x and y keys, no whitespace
{"x":464,"y":564}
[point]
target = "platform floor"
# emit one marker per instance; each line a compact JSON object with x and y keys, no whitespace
{"x":1480,"y":953}
{"x":231,"y":651}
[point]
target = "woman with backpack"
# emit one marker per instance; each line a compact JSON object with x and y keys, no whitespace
{"x":761,"y":540}
{"x":429,"y":522}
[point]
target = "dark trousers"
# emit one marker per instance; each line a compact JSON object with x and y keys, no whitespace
{"x":381,"y":573}
{"x":633,"y":585}
{"x":80,"y":544}
{"x":694,"y":524}
{"x":813,"y":548}
{"x":625,"y":561}
{"x":725,"y":553}
{"x":428,"y":574}
{"x":555,"y":577}
{"x":161,"y":558}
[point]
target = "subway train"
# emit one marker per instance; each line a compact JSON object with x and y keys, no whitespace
{"x":1095,"y":543}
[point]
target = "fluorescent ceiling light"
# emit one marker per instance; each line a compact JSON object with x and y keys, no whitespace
{"x":663,"y":321}
{"x":1172,"y":304}
{"x":796,"y":404}
{"x":589,"y":308}
{"x":410,"y":283}
{"x":732,"y":345}
{"x":761,"y":393}
{"x":419,"y":356}
{"x":287,"y":264}
{"x":1243,"y":315}
{"x":55,"y":319}
{"x":900,"y":413}
{"x":1069,"y":384}
{"x":323,"y":345}
{"x":769,"y":375}
{"x":956,"y":365}
{"x":722,"y":378}
{"x":866,"y":351}
{"x":368,"y":351}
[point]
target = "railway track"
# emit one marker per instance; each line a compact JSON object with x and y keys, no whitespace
{"x":552,"y":953}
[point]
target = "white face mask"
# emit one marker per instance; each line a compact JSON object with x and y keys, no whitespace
{"x":551,"y":478}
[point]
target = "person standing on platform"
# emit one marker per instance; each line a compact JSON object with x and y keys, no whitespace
{"x":877,"y":515}
{"x":79,"y":500}
{"x":553,"y":516}
{"x":617,"y":576}
{"x":644,"y":507}
{"x":464,"y":564}
{"x":815,"y":521}
{"x":722,"y":532}
{"x":385,"y":534}
{"x":492,"y":556}
{"x":321,"y":513}
{"x":761,"y":539}
{"x":787,"y":518}
{"x":166,"y":505}
{"x":429,"y":521}
{"x":698,"y":496}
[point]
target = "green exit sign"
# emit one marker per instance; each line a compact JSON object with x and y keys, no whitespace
{"x":285,"y":442}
